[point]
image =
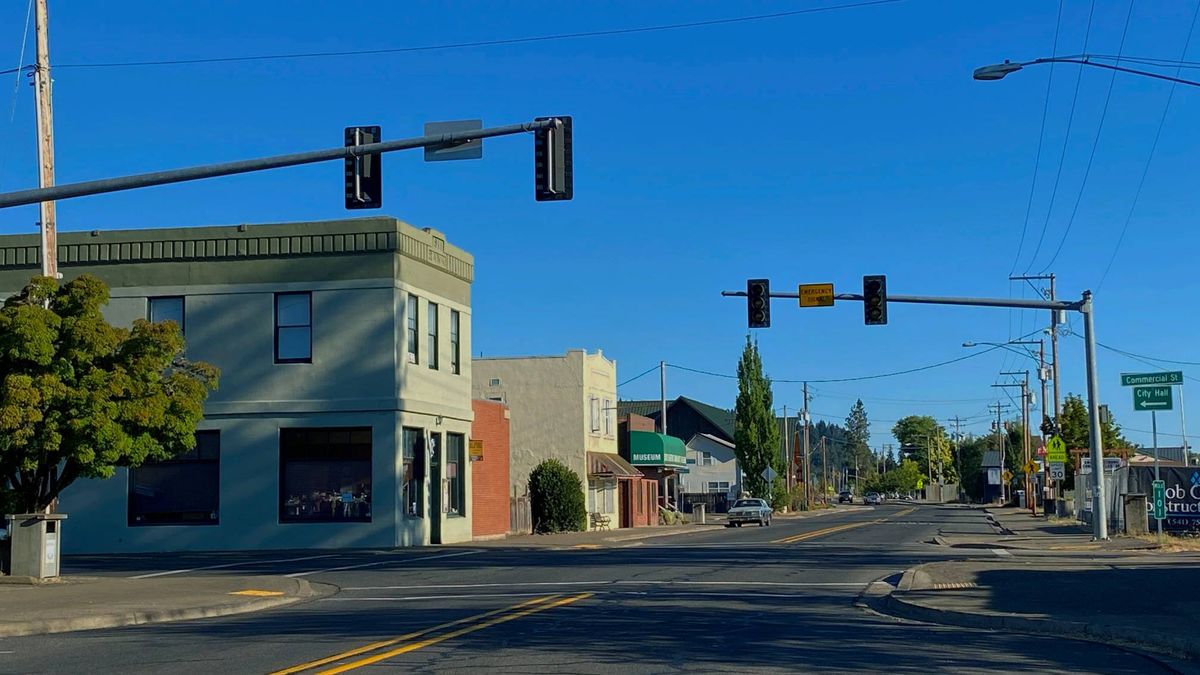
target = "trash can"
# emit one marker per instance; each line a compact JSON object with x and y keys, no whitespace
{"x":1136,"y":518}
{"x":1021,"y":498}
{"x":34,"y":541}
{"x":698,"y":513}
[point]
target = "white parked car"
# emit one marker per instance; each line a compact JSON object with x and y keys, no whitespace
{"x":750,"y":511}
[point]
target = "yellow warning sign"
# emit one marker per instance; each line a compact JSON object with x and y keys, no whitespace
{"x":816,"y":295}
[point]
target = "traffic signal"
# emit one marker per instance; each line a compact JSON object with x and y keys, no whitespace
{"x":364,"y":174}
{"x":875,"y":299}
{"x":553,"y":180}
{"x":758,"y":303}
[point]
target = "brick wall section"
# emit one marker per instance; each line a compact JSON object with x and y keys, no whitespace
{"x":489,"y":487}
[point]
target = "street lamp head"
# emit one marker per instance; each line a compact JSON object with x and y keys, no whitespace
{"x":997,"y":71}
{"x":969,"y":344}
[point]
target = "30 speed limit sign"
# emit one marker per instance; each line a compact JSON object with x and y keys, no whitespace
{"x":1058,"y":471}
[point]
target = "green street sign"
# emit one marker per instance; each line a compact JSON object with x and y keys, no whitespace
{"x":1134,"y":379}
{"x":1152,"y":398}
{"x":1160,"y":499}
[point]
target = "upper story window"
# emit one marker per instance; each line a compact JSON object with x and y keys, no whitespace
{"x":595,"y":415}
{"x":433,"y":335}
{"x":166,"y":308}
{"x":607,"y":413}
{"x":455,"y":349}
{"x":293,"y":327}
{"x":413,"y":327}
{"x":706,"y":459}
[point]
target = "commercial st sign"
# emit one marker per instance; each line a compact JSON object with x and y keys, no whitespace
{"x":1135,"y":379}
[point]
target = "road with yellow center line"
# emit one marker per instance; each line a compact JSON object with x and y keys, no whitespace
{"x":838,"y":528}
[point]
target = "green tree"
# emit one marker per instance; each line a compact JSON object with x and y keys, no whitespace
{"x":556,"y":499}
{"x":1076,"y":431}
{"x":923,"y":440}
{"x":756,"y":433}
{"x":80,"y":397}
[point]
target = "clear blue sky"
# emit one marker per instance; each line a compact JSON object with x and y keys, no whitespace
{"x":804,"y":149}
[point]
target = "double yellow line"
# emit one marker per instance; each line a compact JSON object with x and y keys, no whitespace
{"x":344,"y":661}
{"x":837,"y":528}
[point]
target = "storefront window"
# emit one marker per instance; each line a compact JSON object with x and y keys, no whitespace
{"x":454,"y":467}
{"x":414,"y":472}
{"x":325,"y":475}
{"x":184,"y":490}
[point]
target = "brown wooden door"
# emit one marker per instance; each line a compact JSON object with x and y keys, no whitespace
{"x":626,"y":496}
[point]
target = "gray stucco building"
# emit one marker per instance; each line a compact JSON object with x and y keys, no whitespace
{"x":345,"y":398}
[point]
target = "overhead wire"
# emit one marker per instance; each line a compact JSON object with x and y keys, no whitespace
{"x":644,"y":373}
{"x":484,"y":43}
{"x":12,"y":115}
{"x":1150,"y":156}
{"x":1066,"y":143}
{"x":1095,"y":144}
{"x":1037,"y":157}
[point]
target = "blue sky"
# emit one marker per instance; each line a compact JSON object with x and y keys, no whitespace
{"x":812,"y":148}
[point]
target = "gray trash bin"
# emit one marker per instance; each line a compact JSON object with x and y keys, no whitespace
{"x":35,"y":544}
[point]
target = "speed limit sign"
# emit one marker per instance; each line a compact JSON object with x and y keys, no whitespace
{"x":1058,"y":471}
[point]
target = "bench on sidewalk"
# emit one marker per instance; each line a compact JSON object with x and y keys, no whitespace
{"x":600,"y":521}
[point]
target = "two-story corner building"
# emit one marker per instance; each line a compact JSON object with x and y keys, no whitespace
{"x":345,"y":397}
{"x":562,"y":407}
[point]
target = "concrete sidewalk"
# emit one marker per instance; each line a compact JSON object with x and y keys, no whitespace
{"x":1015,"y":528}
{"x":87,"y":603}
{"x":1140,"y":601}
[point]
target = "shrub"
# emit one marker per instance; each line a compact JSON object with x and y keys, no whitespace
{"x":556,"y":498}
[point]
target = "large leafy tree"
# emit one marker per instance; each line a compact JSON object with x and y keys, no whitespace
{"x":924,"y":441}
{"x":80,"y":397}
{"x":1076,"y":431}
{"x":756,"y":433}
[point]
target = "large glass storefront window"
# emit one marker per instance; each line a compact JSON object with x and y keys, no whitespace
{"x":455,"y":450}
{"x":184,"y":490}
{"x":412,"y":495}
{"x":325,"y":475}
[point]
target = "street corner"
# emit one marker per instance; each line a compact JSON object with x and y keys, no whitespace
{"x":78,"y":604}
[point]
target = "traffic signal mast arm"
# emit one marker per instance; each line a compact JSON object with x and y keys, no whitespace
{"x":95,"y":187}
{"x":1014,"y":303}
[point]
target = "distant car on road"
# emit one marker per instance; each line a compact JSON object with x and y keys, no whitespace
{"x":873,"y":499}
{"x":750,"y":511}
{"x":906,"y":498}
{"x":845,"y":496}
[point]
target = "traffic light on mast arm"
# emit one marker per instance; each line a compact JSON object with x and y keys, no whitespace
{"x":758,"y":303}
{"x":552,"y":161}
{"x":875,"y":299}
{"x":364,"y":174}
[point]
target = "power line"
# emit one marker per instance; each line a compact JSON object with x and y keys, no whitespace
{"x":1150,"y":157}
{"x":12,"y":115}
{"x":1037,"y":157}
{"x":1066,"y":141}
{"x":644,"y":373}
{"x":484,"y":43}
{"x":851,"y":379}
{"x":1095,"y":144}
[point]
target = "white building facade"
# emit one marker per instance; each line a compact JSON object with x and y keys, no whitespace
{"x":344,"y":407}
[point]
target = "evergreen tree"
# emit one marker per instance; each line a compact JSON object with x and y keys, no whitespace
{"x":756,"y":433}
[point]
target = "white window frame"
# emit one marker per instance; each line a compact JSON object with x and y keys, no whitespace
{"x":594,"y":409}
{"x":706,"y":458}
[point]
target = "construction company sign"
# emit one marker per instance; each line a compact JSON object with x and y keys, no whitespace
{"x":1182,"y":492}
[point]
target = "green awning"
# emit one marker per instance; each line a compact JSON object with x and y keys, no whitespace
{"x":647,"y":448}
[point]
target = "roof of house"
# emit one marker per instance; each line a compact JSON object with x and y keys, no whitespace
{"x":991,"y":459}
{"x":644,"y":408}
{"x":715,"y":439}
{"x":719,"y":418}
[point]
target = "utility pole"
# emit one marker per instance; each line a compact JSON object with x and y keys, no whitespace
{"x":958,"y":454}
{"x":1024,"y":385}
{"x":807,"y":469}
{"x":787,"y":455}
{"x":1054,"y":315}
{"x":1000,"y":444}
{"x":824,"y":470}
{"x":45,"y":138}
{"x":662,"y":397}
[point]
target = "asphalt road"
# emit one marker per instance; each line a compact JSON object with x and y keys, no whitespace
{"x":749,"y":599}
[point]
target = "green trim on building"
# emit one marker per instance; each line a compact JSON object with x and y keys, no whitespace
{"x":189,"y":249}
{"x":647,"y":448}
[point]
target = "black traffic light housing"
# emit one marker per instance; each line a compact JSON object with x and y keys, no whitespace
{"x":364,"y":174}
{"x":875,"y":299}
{"x":552,"y":160}
{"x":758,"y":303}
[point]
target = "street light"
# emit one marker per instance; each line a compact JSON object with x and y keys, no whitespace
{"x":999,"y":70}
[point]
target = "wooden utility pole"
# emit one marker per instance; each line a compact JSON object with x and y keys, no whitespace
{"x":807,"y":458}
{"x":45,"y":138}
{"x":824,"y":470}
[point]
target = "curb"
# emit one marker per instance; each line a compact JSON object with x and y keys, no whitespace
{"x":304,"y":591}
{"x":1127,"y":636}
